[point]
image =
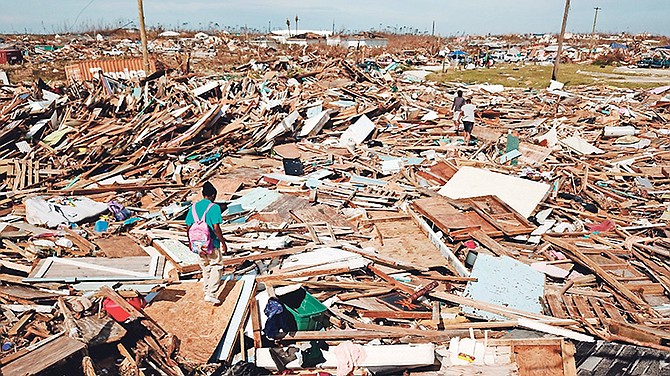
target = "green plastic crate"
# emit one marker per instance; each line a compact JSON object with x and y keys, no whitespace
{"x":309,"y":314}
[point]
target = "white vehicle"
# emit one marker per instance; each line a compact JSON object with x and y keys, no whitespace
{"x":113,"y":52}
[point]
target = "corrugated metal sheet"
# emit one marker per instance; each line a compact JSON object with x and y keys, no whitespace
{"x":119,"y":68}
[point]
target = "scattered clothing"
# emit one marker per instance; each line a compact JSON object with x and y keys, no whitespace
{"x":349,"y":355}
{"x":281,"y":357}
{"x":313,"y":356}
{"x":276,"y":321}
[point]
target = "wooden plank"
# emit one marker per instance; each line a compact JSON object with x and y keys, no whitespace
{"x":307,"y":273}
{"x":236,"y":321}
{"x":556,"y":306}
{"x":576,"y":256}
{"x":43,"y":357}
{"x":489,"y":243}
{"x":397,"y":315}
{"x":121,"y":302}
{"x":19,"y":325}
{"x":58,"y":269}
{"x":254,"y":313}
{"x":583,"y":307}
{"x":600,"y":313}
{"x":570,"y":306}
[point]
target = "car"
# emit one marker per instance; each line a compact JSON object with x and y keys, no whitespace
{"x":644,"y":63}
{"x":657,"y":63}
{"x":666,"y":63}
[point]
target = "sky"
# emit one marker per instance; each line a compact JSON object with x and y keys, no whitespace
{"x":451,"y":17}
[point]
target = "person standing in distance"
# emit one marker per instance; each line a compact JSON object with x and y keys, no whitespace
{"x":209,"y":248}
{"x":459,"y":101}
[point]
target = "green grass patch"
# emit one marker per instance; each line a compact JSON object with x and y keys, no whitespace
{"x":538,"y":77}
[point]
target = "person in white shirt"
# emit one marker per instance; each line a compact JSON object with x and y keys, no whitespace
{"x":468,"y":119}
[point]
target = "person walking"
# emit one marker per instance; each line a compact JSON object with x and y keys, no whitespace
{"x":468,"y":120}
{"x":206,"y":239}
{"x":459,"y":101}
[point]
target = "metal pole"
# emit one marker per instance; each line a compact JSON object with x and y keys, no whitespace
{"x":554,"y":74}
{"x":143,"y":36}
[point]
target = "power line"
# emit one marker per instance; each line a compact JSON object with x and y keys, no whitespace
{"x":81,"y":11}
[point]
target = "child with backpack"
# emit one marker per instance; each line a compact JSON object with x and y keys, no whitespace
{"x":205,"y":239}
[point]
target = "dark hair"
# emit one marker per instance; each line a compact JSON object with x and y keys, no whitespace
{"x":468,"y":100}
{"x":460,"y":93}
{"x":208,"y":190}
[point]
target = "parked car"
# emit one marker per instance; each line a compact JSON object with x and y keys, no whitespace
{"x":657,"y":63}
{"x":644,"y":63}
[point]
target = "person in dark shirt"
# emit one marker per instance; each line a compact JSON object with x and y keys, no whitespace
{"x":459,"y":101}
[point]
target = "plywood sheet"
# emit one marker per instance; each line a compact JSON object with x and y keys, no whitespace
{"x":521,"y":194}
{"x":119,"y":246}
{"x":225,"y":187}
{"x":286,"y":203}
{"x":405,"y":241}
{"x":446,"y":217}
{"x":539,"y":360}
{"x":181,"y":310}
{"x":321,"y":214}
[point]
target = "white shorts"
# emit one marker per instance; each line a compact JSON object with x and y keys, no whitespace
{"x":457,"y":115}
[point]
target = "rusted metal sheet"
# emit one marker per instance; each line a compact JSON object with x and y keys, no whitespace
{"x":119,"y":68}
{"x":10,"y":56}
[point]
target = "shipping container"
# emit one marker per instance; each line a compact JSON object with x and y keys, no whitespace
{"x":120,"y":68}
{"x":10,"y":56}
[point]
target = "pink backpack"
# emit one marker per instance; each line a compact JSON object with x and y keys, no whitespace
{"x":199,"y":234}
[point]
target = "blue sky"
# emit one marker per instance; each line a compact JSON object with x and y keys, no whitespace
{"x":451,"y":17}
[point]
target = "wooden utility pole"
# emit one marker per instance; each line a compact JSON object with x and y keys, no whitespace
{"x":593,"y":31}
{"x":595,"y":19}
{"x":554,"y":74}
{"x":143,"y":36}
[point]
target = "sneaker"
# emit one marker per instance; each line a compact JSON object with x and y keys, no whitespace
{"x":211,"y":299}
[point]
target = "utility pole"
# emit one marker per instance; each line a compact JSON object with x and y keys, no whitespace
{"x":593,"y":31}
{"x":269,"y":26}
{"x":296,"y":24}
{"x":554,"y":74}
{"x":143,"y":36}
{"x":595,"y":19}
{"x":433,"y":28}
